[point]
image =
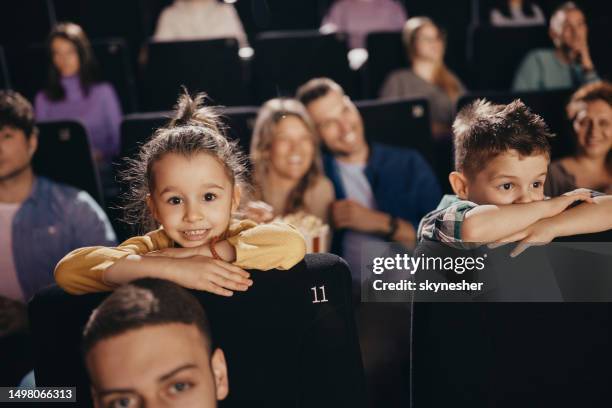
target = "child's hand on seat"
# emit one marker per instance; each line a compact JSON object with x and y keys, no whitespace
{"x":210,"y":275}
{"x":559,"y":204}
{"x":540,"y":233}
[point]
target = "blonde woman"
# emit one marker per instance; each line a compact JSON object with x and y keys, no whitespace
{"x":287,"y":170}
{"x":428,"y":77}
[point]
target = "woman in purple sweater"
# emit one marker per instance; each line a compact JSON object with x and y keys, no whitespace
{"x":72,"y":92}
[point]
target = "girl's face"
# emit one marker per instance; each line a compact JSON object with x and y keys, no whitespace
{"x":429,"y":44}
{"x":292,"y":150}
{"x":193,"y":198}
{"x":65,"y":57}
{"x":593,"y":126}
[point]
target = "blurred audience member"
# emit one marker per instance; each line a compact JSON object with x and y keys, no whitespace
{"x":357,"y":18}
{"x":591,"y":166}
{"x":40,"y":220}
{"x":287,"y":169}
{"x":428,"y":76}
{"x":568,"y":65}
{"x":516,"y":13}
{"x":199,"y":20}
{"x":149,"y":344}
{"x":382,"y":191}
{"x":74,"y":93}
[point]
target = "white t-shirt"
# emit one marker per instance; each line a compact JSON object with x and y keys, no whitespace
{"x":357,"y":188}
{"x":199,"y":20}
{"x":9,"y":282}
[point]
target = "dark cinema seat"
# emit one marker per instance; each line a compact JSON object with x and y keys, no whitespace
{"x":289,"y":341}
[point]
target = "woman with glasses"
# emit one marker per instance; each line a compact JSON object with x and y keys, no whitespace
{"x":428,"y":77}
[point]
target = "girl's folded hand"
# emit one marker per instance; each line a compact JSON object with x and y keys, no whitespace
{"x":208,"y":274}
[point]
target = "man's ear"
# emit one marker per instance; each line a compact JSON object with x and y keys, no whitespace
{"x":33,"y":143}
{"x":459,"y":184}
{"x":236,"y":198}
{"x":151,"y":207}
{"x":219,"y":371}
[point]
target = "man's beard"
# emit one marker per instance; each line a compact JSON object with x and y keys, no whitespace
{"x":15,"y":173}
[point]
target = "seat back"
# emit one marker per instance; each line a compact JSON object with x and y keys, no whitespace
{"x":284,"y":60}
{"x":113,"y":56}
{"x":386,"y":53}
{"x":5,"y":82}
{"x":497,"y":53}
{"x":64,"y":155}
{"x":290,"y":340}
{"x":211,"y":66}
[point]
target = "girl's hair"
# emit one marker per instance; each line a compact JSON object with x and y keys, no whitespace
{"x":271,"y":113}
{"x":443,"y":78}
{"x":88,"y":69}
{"x":194,"y":129}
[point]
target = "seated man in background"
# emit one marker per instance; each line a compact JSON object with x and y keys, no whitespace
{"x":149,"y":344}
{"x":382,"y":191}
{"x":40,"y":221}
{"x":568,"y":65}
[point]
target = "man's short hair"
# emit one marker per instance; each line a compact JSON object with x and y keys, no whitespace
{"x":16,"y":112}
{"x":483,"y":130}
{"x":316,"y":88}
{"x":555,"y":22}
{"x":142,"y":303}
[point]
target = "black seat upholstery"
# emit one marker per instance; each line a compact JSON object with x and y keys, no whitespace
{"x":284,"y":60}
{"x":284,"y":345}
{"x":5,"y":82}
{"x":386,"y":53}
{"x":211,"y":66}
{"x":113,"y":56}
{"x":137,"y":129}
{"x":497,"y":53}
{"x":548,"y":104}
{"x":516,"y":353}
{"x":64,"y":155}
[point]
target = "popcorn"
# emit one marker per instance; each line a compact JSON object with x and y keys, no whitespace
{"x":315,"y":232}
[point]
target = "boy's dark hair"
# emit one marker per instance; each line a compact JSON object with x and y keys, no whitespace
{"x":16,"y":112}
{"x":193,"y":129}
{"x":88,"y":70}
{"x":315,"y":89}
{"x":142,"y":303}
{"x":483,"y":130}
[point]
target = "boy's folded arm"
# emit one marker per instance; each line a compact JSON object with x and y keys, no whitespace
{"x":268,"y":246}
{"x":84,"y":270}
{"x":489,"y":223}
{"x":584,"y":218}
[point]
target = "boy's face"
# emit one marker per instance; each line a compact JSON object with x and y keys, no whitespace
{"x":16,"y":151}
{"x":164,"y":365}
{"x":509,"y":179}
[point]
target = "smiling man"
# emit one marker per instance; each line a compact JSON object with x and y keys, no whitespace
{"x":382,"y":191}
{"x":149,"y":345}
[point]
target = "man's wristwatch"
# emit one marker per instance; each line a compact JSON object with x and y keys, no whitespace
{"x":393,"y":225}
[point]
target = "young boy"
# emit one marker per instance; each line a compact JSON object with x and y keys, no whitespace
{"x":501,"y":159}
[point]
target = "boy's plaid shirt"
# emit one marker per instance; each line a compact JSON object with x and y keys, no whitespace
{"x":444,"y":223}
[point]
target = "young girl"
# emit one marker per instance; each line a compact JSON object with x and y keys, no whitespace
{"x":187,"y":179}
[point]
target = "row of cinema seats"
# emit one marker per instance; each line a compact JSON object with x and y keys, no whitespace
{"x":63,"y":152}
{"x":282,"y":61}
{"x":285,"y":346}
